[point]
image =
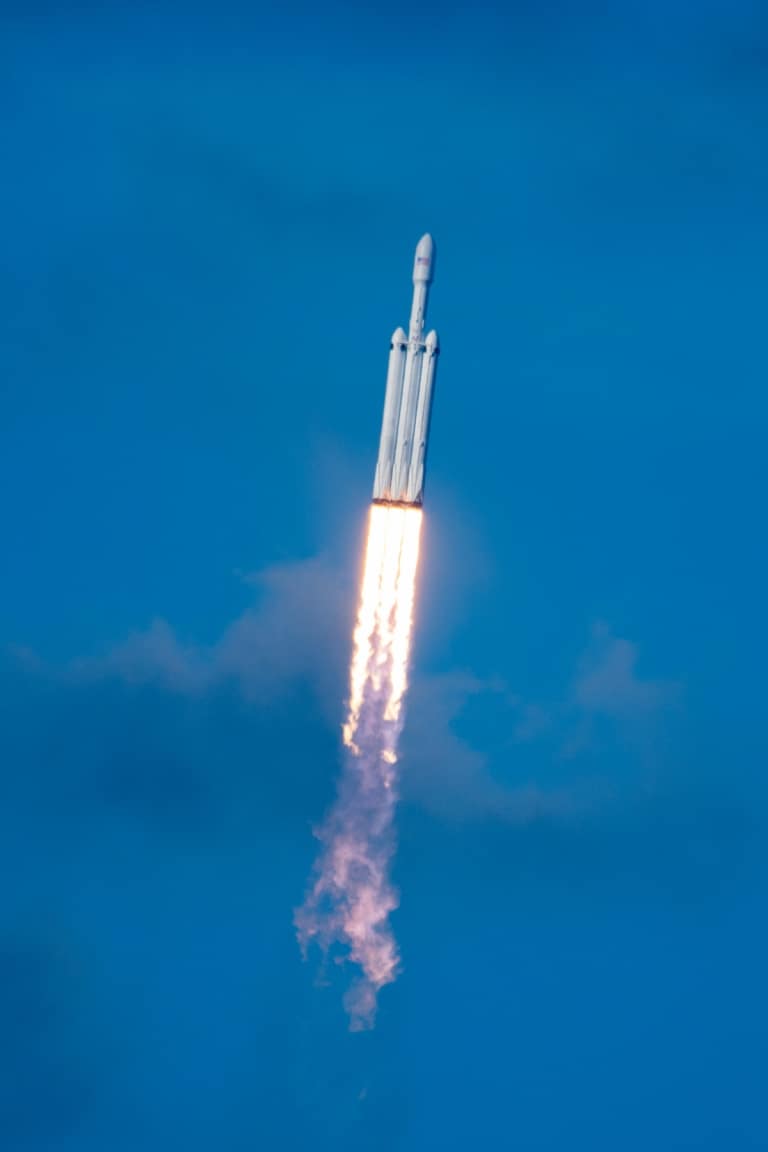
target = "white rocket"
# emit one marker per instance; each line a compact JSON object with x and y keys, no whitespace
{"x":408,"y":399}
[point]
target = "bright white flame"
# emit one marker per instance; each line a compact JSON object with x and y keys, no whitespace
{"x":351,"y":897}
{"x":362,"y":640}
{"x":401,"y":636}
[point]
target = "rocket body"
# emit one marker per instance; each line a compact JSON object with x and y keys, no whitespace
{"x":408,"y":397}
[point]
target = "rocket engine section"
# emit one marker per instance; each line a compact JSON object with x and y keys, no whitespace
{"x":408,"y":398}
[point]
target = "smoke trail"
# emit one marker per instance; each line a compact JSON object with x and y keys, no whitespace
{"x":351,"y":896}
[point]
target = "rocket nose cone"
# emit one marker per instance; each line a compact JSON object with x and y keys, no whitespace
{"x":425,"y":246}
{"x":424,"y":261}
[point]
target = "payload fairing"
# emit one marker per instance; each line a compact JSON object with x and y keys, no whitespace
{"x":408,"y":398}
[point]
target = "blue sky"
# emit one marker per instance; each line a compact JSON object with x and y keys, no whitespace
{"x":209,"y":215}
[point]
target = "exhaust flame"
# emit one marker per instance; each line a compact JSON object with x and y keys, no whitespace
{"x":351,"y":895}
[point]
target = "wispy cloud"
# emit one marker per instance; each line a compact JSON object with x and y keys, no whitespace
{"x":449,"y":776}
{"x":511,"y":779}
{"x":298,"y":633}
{"x":608,"y":681}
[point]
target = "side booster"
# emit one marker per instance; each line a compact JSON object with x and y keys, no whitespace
{"x":408,"y":399}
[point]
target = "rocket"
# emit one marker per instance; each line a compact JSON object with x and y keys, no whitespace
{"x":408,"y":398}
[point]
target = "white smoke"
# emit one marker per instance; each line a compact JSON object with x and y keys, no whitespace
{"x":351,"y":896}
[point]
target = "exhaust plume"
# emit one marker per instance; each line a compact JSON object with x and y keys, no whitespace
{"x":351,"y":894}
